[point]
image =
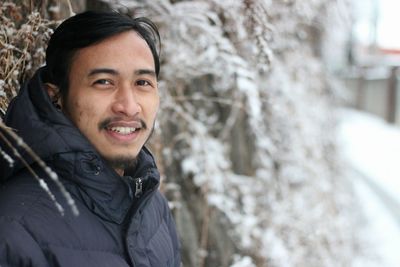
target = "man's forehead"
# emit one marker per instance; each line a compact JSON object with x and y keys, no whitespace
{"x":123,"y":46}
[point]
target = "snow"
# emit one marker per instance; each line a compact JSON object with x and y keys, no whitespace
{"x":382,"y":229}
{"x":242,"y":261}
{"x":372,"y":147}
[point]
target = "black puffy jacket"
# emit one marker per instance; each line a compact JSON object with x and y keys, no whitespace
{"x":121,"y":222}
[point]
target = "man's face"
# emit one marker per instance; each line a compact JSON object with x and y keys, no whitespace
{"x":113,"y":96}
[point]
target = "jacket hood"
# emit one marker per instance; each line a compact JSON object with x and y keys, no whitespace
{"x":42,"y":127}
{"x":61,"y":145}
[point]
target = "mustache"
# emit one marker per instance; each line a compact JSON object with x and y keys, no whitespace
{"x":103,"y":124}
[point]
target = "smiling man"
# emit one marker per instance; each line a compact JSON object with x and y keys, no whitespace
{"x":88,"y":114}
{"x":113,"y":96}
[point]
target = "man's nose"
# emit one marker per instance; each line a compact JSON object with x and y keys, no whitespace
{"x":126,"y":102}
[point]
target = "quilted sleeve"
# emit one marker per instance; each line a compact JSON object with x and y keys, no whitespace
{"x":17,"y":247}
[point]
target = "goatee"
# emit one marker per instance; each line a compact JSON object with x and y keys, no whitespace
{"x":122,"y":163}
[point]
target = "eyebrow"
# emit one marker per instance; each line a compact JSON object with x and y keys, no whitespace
{"x":114,"y":72}
{"x":145,"y":72}
{"x":103,"y":70}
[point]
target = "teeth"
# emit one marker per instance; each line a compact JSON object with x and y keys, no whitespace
{"x":123,"y":130}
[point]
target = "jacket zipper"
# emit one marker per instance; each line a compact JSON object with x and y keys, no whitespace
{"x":138,"y":187}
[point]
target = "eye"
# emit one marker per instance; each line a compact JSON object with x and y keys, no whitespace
{"x":103,"y":82}
{"x":143,"y":83}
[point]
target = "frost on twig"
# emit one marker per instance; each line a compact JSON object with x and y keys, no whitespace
{"x":5,"y":131}
{"x":7,"y":158}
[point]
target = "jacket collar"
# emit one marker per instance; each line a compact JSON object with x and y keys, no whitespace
{"x":99,"y":187}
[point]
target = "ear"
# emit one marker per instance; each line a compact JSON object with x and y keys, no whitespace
{"x":54,"y":93}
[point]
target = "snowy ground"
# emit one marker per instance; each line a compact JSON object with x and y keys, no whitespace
{"x":373,"y":148}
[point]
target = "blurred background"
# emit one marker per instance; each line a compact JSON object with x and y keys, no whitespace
{"x":278,"y":132}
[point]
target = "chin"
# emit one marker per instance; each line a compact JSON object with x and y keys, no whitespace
{"x":121,"y":161}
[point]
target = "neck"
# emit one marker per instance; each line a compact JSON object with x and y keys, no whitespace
{"x":119,"y":171}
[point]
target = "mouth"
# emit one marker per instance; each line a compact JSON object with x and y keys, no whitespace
{"x":122,"y":130}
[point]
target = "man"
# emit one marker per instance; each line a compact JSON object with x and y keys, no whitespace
{"x":88,"y":113}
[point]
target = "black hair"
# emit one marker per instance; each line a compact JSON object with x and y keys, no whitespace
{"x":89,"y":28}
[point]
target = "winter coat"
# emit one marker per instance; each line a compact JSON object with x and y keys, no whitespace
{"x":121,"y":222}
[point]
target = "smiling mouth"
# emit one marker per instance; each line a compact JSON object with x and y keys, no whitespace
{"x":121,"y":126}
{"x":123,"y":130}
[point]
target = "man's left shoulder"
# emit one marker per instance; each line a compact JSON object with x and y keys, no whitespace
{"x":161,"y":200}
{"x":157,"y":213}
{"x":159,"y":233}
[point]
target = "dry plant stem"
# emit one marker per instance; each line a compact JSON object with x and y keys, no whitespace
{"x":21,"y":59}
{"x":220,"y":100}
{"x":206,"y":216}
{"x":205,"y":224}
{"x":40,"y":180}
{"x":23,"y":52}
{"x":233,"y":115}
{"x":185,"y":115}
{"x":204,"y":228}
{"x":71,"y":11}
{"x":53,"y":176}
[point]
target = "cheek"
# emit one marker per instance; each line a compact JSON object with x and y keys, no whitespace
{"x":82,"y":114}
{"x":156,"y":104}
{"x":87,"y":116}
{"x":154,"y":110}
{"x":150,"y":107}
